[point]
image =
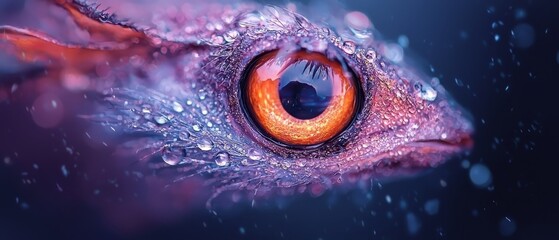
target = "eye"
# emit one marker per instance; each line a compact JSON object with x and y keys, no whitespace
{"x":257,"y":100}
{"x":299,"y":99}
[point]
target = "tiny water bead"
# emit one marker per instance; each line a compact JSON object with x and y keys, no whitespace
{"x":404,"y":41}
{"x":177,"y":107}
{"x":171,"y":159}
{"x":172,"y":155}
{"x":507,"y":226}
{"x":222,"y":159}
{"x":205,"y":144}
{"x":254,"y":154}
{"x":160,"y":120}
{"x":413,"y":223}
{"x":357,"y":20}
{"x":231,"y":36}
{"x":47,"y":110}
{"x":349,"y":47}
{"x":480,"y":175}
{"x":523,"y":35}
{"x":359,"y":24}
{"x":64,"y":170}
{"x":425,"y":92}
{"x":371,"y":55}
{"x":432,"y":206}
{"x":388,"y":199}
{"x":393,"y":52}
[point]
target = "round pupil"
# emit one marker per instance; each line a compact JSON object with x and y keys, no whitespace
{"x":305,"y":89}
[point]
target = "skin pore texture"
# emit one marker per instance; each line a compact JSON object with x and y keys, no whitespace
{"x":171,"y":88}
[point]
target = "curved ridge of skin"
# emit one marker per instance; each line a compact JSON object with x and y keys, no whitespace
{"x":175,"y":85}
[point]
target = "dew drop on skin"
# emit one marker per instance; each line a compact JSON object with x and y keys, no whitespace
{"x":47,"y":110}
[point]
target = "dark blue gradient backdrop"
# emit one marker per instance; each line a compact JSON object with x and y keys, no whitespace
{"x":499,"y":59}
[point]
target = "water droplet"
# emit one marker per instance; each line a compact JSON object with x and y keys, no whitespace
{"x":507,"y":226}
{"x":432,"y":206}
{"x":254,"y":154}
{"x":394,"y":52}
{"x":414,"y":225}
{"x":177,"y":107}
{"x":216,"y":40}
{"x":201,"y":95}
{"x":184,"y":136}
{"x":64,"y":170}
{"x":248,"y":162}
{"x":458,"y":82}
{"x":426,"y":92}
{"x":520,"y":14}
{"x":480,"y":175}
{"x":210,"y":26}
{"x":160,"y":120}
{"x":465,"y":164}
{"x":14,"y":88}
{"x":524,"y":35}
{"x":443,"y":183}
{"x":231,"y":36}
{"x":358,"y":23}
{"x":388,"y":199}
{"x":222,"y":159}
{"x":205,"y":144}
{"x":47,"y":110}
{"x":227,"y":19}
{"x":348,"y":47}
{"x":172,"y":155}
{"x":196,"y":128}
{"x":371,"y":55}
{"x":171,"y":159}
{"x":404,"y":41}
{"x":357,"y":20}
{"x":325,"y":32}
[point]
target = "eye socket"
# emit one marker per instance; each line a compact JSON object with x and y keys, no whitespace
{"x":299,"y":99}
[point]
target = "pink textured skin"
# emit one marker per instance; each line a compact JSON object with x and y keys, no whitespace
{"x":398,"y":129}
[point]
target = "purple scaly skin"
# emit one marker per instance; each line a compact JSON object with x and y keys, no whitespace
{"x":174,"y":85}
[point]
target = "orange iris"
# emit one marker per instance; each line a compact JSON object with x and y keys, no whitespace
{"x":300,"y":98}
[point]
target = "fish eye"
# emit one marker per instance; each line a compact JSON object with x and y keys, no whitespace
{"x":299,"y":99}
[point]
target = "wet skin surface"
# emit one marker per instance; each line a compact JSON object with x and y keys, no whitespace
{"x":165,"y":79}
{"x":79,"y":180}
{"x":177,"y":85}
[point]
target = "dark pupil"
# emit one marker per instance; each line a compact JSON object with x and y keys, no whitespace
{"x":305,"y":89}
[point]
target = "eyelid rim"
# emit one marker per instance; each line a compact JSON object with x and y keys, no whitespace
{"x":244,"y":124}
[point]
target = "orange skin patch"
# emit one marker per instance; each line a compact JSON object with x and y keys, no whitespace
{"x":31,"y":47}
{"x":265,"y":105}
{"x":102,"y":31}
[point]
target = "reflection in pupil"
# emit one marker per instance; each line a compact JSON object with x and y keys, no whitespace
{"x":305,"y":89}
